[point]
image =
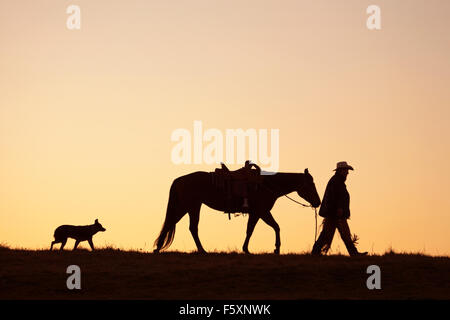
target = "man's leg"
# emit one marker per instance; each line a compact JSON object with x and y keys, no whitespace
{"x":325,"y":237}
{"x":344,"y":231}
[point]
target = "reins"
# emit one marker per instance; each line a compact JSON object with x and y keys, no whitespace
{"x":302,"y":204}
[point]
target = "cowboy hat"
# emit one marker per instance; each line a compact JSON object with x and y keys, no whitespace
{"x":343,"y":165}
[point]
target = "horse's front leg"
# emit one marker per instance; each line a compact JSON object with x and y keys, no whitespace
{"x":252,"y":220}
{"x":268,"y":218}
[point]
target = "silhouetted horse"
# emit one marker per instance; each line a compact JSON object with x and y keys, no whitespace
{"x":188,"y":192}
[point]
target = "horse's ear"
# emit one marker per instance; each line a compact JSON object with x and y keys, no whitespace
{"x":96,"y":220}
{"x":306,"y":171}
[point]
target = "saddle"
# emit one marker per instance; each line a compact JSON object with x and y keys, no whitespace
{"x":236,"y":185}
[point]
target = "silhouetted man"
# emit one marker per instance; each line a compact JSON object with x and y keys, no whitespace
{"x":335,"y":209}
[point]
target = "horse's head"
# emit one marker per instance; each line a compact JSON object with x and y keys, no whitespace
{"x":307,"y":190}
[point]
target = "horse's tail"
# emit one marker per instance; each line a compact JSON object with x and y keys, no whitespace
{"x":167,"y":233}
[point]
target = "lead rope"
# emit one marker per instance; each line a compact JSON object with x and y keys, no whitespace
{"x":315,"y":234}
{"x":306,"y":206}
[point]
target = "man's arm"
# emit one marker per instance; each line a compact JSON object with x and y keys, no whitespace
{"x":340,"y":199}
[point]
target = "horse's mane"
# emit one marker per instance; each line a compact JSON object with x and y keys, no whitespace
{"x":284,"y":177}
{"x":280,"y":180}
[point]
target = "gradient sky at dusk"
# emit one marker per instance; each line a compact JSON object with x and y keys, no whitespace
{"x":86,"y":115}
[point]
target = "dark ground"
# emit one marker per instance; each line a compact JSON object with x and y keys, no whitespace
{"x":115,"y":274}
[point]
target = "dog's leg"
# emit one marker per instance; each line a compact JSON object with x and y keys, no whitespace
{"x":63,"y":243}
{"x":91,"y":244}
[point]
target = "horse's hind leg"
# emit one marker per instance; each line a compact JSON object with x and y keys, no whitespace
{"x":194,"y":218}
{"x":268,"y":218}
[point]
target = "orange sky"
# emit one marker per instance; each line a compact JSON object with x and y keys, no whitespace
{"x":87,"y":115}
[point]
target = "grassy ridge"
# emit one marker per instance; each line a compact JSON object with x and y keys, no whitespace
{"x":116,"y":274}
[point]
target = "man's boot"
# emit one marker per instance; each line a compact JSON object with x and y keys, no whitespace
{"x":353,"y":251}
{"x":359,"y":254}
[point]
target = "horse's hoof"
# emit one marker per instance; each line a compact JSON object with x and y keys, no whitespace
{"x":202,"y":252}
{"x":276,"y":251}
{"x":156,"y":251}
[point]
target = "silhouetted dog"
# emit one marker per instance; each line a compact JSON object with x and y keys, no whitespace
{"x":79,"y":233}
